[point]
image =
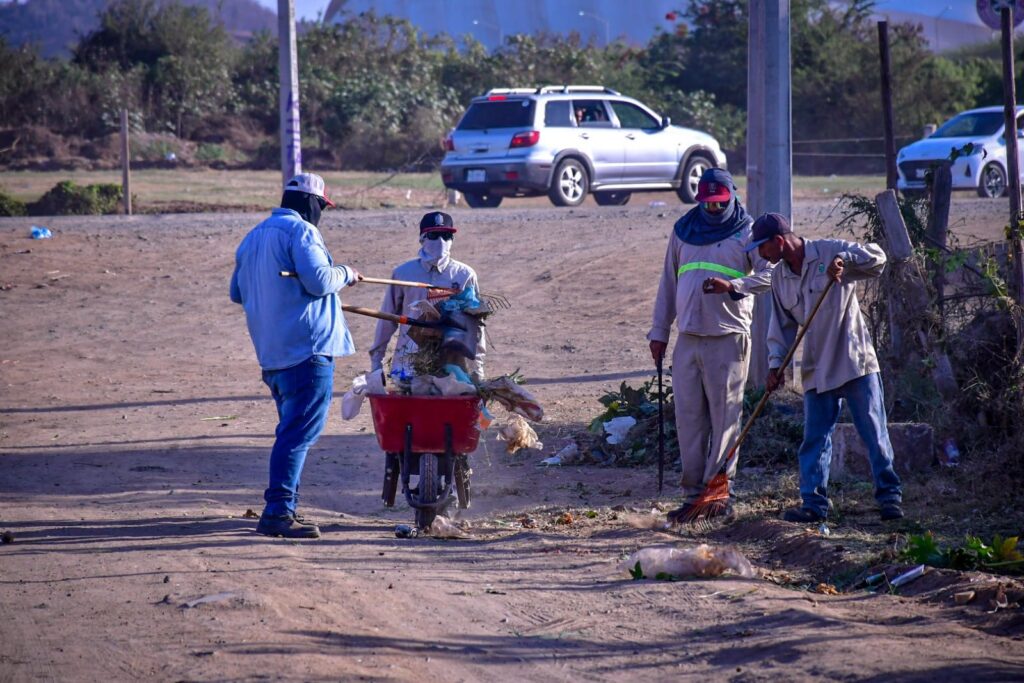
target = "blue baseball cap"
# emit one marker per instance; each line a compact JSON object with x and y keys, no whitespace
{"x":767,"y":226}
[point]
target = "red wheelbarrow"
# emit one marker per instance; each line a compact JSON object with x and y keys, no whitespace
{"x":431,"y":437}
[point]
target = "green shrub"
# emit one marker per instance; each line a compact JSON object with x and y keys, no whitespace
{"x":208,"y":152}
{"x":9,"y":206}
{"x":68,"y":199}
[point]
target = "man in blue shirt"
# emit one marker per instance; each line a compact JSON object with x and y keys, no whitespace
{"x":298,"y":329}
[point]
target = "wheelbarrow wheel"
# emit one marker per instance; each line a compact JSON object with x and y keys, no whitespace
{"x":462,"y":474}
{"x":428,"y":489}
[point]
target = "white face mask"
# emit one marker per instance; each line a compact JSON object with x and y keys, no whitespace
{"x":435,"y":253}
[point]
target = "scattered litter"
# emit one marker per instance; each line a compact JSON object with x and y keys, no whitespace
{"x":824,"y":530}
{"x":206,"y":599}
{"x":656,"y":203}
{"x":553,"y":460}
{"x":250,"y":514}
{"x":442,"y":527}
{"x":999,"y":601}
{"x":406,"y":531}
{"x":565,"y":518}
{"x":908,"y":576}
{"x":513,"y":397}
{"x":653,"y":521}
{"x":218,"y":417}
{"x":950,"y":454}
{"x":569,"y":454}
{"x":519,"y":434}
{"x":528,"y":522}
{"x":826,"y":589}
{"x":873,"y":579}
{"x":963,"y":597}
{"x":702,"y":561}
{"x":617,"y":428}
{"x":40,"y":233}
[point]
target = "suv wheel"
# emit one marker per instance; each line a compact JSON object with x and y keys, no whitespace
{"x":611,"y":198}
{"x":993,"y":182}
{"x":482,"y":201}
{"x":694,"y":169}
{"x":569,"y":184}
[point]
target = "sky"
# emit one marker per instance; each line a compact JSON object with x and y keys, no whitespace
{"x":962,"y":10}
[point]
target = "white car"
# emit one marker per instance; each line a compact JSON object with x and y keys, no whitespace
{"x":983,"y":170}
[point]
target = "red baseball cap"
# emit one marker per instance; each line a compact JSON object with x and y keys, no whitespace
{"x":715,"y":185}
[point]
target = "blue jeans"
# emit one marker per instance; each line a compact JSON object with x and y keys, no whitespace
{"x":821,"y":412}
{"x":303,"y":396}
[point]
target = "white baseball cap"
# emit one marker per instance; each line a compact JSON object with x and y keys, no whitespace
{"x":310,"y":183}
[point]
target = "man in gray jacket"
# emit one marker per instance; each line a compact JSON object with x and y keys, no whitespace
{"x":705,"y":287}
{"x":839,"y":361}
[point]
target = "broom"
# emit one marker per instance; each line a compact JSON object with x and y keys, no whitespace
{"x":714,"y":500}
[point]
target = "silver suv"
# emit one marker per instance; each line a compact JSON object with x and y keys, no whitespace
{"x":566,"y":141}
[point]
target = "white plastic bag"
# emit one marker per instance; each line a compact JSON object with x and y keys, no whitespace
{"x":702,"y":561}
{"x":442,"y":527}
{"x":450,"y":385}
{"x":362,"y":385}
{"x":617,"y":428}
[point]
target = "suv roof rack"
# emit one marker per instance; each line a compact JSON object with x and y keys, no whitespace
{"x":551,"y":89}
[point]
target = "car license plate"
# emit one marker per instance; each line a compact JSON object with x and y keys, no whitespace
{"x":476,"y":175}
{"x":920,"y":172}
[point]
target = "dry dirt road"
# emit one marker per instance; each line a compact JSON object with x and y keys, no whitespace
{"x":134,"y":433}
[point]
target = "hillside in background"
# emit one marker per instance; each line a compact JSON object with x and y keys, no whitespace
{"x":32,"y":22}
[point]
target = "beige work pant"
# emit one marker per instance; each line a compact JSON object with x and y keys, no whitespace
{"x":708,"y":376}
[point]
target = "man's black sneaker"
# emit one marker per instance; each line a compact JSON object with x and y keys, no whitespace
{"x":802,"y":516}
{"x":287,"y":526}
{"x":891,"y":511}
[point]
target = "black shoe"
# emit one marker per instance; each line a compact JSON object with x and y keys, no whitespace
{"x":802,"y":515}
{"x":891,"y":511}
{"x":288,"y":526}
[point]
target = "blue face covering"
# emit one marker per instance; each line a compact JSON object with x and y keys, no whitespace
{"x":699,"y":227}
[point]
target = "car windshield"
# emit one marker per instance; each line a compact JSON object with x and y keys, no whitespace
{"x":500,"y":114}
{"x":976,"y":125}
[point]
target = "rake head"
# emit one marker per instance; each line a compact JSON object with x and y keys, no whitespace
{"x":713,"y":502}
{"x":493,"y":302}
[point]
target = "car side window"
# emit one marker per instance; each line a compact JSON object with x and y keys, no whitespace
{"x":558,"y":114}
{"x":590,"y":114}
{"x":632,"y":116}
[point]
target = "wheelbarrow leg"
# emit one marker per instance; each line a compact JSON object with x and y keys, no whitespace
{"x":392,"y":470}
{"x":462,"y":475}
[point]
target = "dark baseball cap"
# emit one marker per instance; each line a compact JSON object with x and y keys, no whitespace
{"x":767,"y":226}
{"x":715,"y":185}
{"x":436,"y":221}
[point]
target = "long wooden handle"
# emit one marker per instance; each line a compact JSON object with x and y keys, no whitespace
{"x":406,"y":283}
{"x":400,"y":319}
{"x":385,"y":281}
{"x":785,"y":362}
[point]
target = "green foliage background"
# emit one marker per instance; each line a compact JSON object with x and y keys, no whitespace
{"x":377,"y":94}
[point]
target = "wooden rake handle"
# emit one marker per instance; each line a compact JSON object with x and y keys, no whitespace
{"x":785,"y":362}
{"x":385,"y":281}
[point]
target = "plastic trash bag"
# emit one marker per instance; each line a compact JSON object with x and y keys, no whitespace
{"x":424,"y":310}
{"x":513,"y":397}
{"x":362,"y":385}
{"x":703,"y":561}
{"x":442,"y":527}
{"x":517,"y":433}
{"x":450,"y":385}
{"x":423,"y":385}
{"x":618,"y":427}
{"x":464,"y":300}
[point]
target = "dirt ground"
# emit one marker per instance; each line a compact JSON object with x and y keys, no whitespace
{"x":134,"y":435}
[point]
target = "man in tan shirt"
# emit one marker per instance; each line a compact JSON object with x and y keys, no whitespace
{"x":839,"y":361}
{"x":705,"y":287}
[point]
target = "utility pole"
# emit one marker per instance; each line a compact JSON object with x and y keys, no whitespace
{"x":1012,"y":162}
{"x":288,"y":67}
{"x":891,"y":175}
{"x":769,"y":143}
{"x":126,"y":167}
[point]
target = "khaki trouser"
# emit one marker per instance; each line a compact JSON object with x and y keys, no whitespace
{"x":708,"y":376}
